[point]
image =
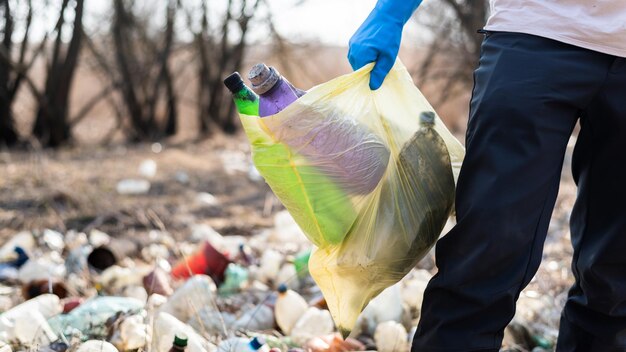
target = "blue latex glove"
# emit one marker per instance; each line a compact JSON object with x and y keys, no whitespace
{"x":378,"y":38}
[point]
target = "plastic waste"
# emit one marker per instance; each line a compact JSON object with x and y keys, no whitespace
{"x":289,"y":276}
{"x":234,"y":344}
{"x":5,"y":347}
{"x":207,"y":260}
{"x":23,"y":239}
{"x":28,"y":327}
{"x":314,"y":322}
{"x":135,"y":291}
{"x":50,"y":266}
{"x":133,"y":187}
{"x":391,"y":336}
{"x":96,"y":346}
{"x":69,"y":304}
{"x":275,"y":91}
{"x":180,"y":343}
{"x":377,"y":224}
{"x":9,"y":269}
{"x":114,"y":251}
{"x":166,"y":327}
{"x":148,"y":168}
{"x":333,"y":342}
{"x":91,"y":316}
{"x":385,"y":307}
{"x":301,"y":261}
{"x":289,"y":308}
{"x":259,"y":318}
{"x":412,"y":289}
{"x":269,"y":266}
{"x":48,"y":305}
{"x":198,"y":292}
{"x":246,"y":101}
{"x":157,"y":281}
{"x":133,"y":333}
{"x":116,"y":278}
{"x":212,"y":322}
{"x":53,"y":240}
{"x":236,"y":277}
{"x":98,"y":238}
{"x":258,"y":344}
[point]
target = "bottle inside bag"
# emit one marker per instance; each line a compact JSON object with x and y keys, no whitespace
{"x":246,"y":101}
{"x":275,"y":91}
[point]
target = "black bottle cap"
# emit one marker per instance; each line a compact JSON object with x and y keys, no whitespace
{"x":234,"y":82}
{"x":180,"y":340}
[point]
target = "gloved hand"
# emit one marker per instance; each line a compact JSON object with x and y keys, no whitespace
{"x":378,"y":38}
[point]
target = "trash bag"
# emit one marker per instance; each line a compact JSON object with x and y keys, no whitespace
{"x":369,"y":176}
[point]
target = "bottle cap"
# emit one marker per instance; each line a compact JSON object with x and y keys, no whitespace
{"x":263,"y":78}
{"x":180,"y":340}
{"x":427,"y":117}
{"x":234,"y":82}
{"x":282,"y":288}
{"x":257,"y":342}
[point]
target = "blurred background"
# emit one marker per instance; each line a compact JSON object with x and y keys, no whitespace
{"x":113,"y":114}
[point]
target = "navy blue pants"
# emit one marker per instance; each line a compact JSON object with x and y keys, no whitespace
{"x":529,"y":92}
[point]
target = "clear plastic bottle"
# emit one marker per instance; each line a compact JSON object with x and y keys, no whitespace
{"x":289,"y":308}
{"x":275,"y":91}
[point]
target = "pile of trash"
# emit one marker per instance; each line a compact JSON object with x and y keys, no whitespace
{"x":93,"y":292}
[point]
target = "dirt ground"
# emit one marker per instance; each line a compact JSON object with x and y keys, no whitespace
{"x":75,"y":189}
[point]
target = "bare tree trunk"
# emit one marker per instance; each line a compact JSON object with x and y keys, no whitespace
{"x":52,"y":126}
{"x":8,"y":135}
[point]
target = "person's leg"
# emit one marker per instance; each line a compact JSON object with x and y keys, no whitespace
{"x":528,"y":94}
{"x":594,"y":317}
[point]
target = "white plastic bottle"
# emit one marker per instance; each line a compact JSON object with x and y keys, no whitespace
{"x":289,"y":308}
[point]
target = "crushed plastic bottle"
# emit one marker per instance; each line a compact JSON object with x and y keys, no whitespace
{"x":29,"y":328}
{"x":166,"y":327}
{"x":314,"y":322}
{"x":198,"y":292}
{"x":260,"y":318}
{"x":289,"y":308}
{"x":391,"y":336}
{"x":91,"y":316}
{"x":133,"y":333}
{"x":96,"y":346}
{"x":48,"y":305}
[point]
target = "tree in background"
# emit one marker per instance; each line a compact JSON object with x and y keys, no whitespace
{"x":220,"y":51}
{"x":454,"y":50}
{"x":52,"y":124}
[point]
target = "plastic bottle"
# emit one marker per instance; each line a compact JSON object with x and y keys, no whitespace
{"x":258,"y":344}
{"x":165,"y":328}
{"x":275,"y":92}
{"x":246,"y":101}
{"x":391,"y":336}
{"x":301,"y":262}
{"x":314,"y":322}
{"x":196,"y":293}
{"x":290,"y":306}
{"x":179,"y":344}
{"x":236,"y":277}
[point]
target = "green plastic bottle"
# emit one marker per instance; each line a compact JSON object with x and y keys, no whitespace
{"x":180,"y":343}
{"x":246,"y":100}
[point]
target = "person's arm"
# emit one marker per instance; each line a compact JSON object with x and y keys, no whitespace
{"x":378,"y":38}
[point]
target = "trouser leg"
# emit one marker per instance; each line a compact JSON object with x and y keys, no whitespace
{"x":594,"y":317}
{"x":527,"y":97}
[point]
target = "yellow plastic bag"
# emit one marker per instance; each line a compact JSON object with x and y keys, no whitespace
{"x":370,"y":183}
